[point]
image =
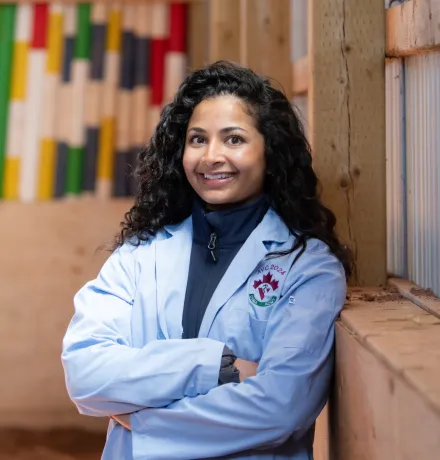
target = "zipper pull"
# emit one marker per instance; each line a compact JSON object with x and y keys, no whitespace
{"x":211,"y":245}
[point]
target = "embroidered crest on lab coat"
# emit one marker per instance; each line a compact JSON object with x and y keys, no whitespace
{"x":265,"y":285}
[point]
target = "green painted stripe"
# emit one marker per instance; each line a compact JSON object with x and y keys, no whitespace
{"x":7,"y":25}
{"x":84,"y":30}
{"x":75,"y":161}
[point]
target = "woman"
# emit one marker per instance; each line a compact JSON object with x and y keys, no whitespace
{"x":209,"y":331}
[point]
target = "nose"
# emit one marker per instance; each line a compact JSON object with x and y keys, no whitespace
{"x":213,"y":154}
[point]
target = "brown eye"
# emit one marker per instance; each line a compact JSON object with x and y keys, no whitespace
{"x":197,"y":140}
{"x":235,"y":140}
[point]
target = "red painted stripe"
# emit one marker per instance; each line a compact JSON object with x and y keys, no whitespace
{"x":178,"y":27}
{"x":39,"y":32}
{"x":159,"y":48}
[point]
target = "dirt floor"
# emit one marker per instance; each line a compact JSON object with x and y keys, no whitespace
{"x":52,"y":445}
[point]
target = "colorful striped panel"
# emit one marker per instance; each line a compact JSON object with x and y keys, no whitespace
{"x":159,"y":44}
{"x":7,"y":24}
{"x":176,"y":59}
{"x":36,"y":75}
{"x":111,"y":80}
{"x":94,"y":95}
{"x":65,"y":96}
{"x":17,"y":106}
{"x":141,"y":132}
{"x":123,"y":158}
{"x":80,"y":73}
{"x":46,"y":180}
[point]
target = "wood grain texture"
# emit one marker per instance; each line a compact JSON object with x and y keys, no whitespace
{"x":268,"y":41}
{"x":224,"y":30}
{"x":300,"y":76}
{"x":52,"y":249}
{"x":375,"y":413}
{"x":198,"y":34}
{"x":413,"y":27}
{"x":347,"y":125}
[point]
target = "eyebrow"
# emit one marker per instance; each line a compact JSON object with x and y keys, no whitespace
{"x":223,"y":130}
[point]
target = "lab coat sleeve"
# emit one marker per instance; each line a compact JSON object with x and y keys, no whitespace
{"x":286,"y":395}
{"x":104,"y":374}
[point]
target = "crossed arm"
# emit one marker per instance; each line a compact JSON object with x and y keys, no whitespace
{"x":170,"y":387}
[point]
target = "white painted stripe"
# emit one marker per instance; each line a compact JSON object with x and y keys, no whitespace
{"x":63,"y":120}
{"x":160,"y":20}
{"x":51,"y":84}
{"x":104,"y":189}
{"x":23,"y":23}
{"x":80,"y":72}
{"x":111,"y":83}
{"x":123,"y":122}
{"x":17,"y":114}
{"x":56,"y":8}
{"x":69,"y":20}
{"x":31,"y":147}
{"x":93,"y":103}
{"x":141,"y":102}
{"x":175,"y":72}
{"x":128,"y":17}
{"x":143,"y":20}
{"x":99,"y":13}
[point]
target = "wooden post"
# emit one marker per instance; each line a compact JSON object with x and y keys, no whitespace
{"x":197,"y":34}
{"x":224,"y":30}
{"x":347,"y":114}
{"x":268,"y":40}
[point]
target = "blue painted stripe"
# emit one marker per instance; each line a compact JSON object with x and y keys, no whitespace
{"x":128,"y":60}
{"x":142,"y":67}
{"x":99,"y":34}
{"x":122,"y":173}
{"x":91,"y":159}
{"x":69,"y":51}
{"x":61,"y":169}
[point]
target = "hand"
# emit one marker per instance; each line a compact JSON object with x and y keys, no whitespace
{"x":247,"y":368}
{"x":123,"y":420}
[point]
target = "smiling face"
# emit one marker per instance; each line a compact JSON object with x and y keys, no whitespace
{"x":224,"y":157}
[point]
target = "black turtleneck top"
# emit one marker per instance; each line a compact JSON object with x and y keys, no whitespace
{"x":217,"y":238}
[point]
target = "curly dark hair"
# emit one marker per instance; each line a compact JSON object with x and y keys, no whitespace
{"x":164,"y":195}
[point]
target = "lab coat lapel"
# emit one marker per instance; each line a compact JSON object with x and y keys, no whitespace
{"x":245,"y":262}
{"x":172,"y":266}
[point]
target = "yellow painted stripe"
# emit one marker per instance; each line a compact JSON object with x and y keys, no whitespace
{"x":46,"y":174}
{"x":19,"y":70}
{"x":12,"y":174}
{"x":55,"y":43}
{"x":114,"y":31}
{"x":106,"y":148}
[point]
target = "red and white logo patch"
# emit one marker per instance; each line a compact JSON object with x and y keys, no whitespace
{"x":264,"y":286}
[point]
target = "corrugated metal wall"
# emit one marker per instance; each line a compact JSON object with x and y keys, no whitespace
{"x":395,"y":168}
{"x":413,"y":169}
{"x":422,"y":82}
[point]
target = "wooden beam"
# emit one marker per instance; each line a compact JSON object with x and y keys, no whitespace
{"x":224,"y":30}
{"x":198,"y":34}
{"x":413,"y":27}
{"x":347,"y":113}
{"x":268,"y":40}
{"x":300,"y":76}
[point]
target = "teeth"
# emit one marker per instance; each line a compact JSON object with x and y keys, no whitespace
{"x":217,"y":176}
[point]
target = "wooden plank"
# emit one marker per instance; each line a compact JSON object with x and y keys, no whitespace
{"x":423,"y":298}
{"x":300,"y":76}
{"x":198,"y":34}
{"x":403,"y":336}
{"x":347,"y":125}
{"x":375,"y":413}
{"x":224,"y":30}
{"x":268,"y":41}
{"x":52,"y":250}
{"x":413,"y":27}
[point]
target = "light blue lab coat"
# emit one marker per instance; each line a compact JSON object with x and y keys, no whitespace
{"x":123,"y":351}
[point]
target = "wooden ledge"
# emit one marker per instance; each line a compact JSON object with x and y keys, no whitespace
{"x":424,"y":298}
{"x":412,"y":28}
{"x":400,"y":334}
